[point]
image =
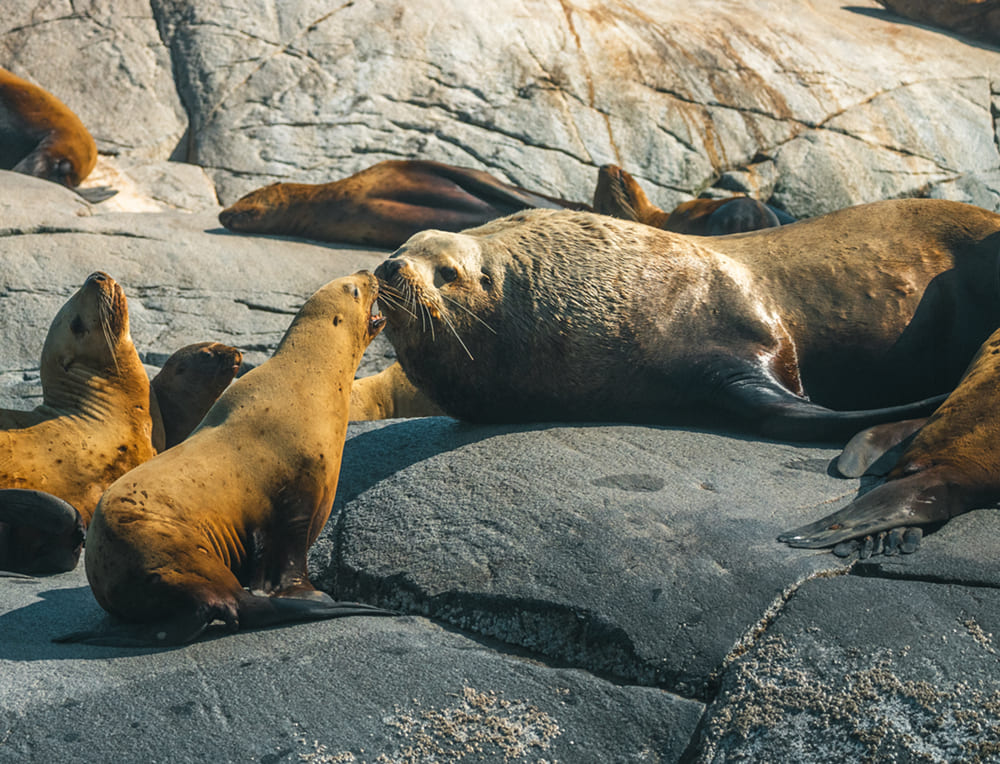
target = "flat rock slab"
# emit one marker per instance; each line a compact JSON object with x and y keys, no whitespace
{"x":350,"y":690}
{"x":643,"y":552}
{"x":186,"y":279}
{"x":859,"y":669}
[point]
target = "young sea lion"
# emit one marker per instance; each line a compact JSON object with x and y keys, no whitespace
{"x":804,"y":332}
{"x":619,"y":194}
{"x":187,"y":385}
{"x":383,"y":205}
{"x":951,"y":466}
{"x":239,"y":502}
{"x":93,"y":425}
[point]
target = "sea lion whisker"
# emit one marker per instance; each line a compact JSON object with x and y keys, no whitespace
{"x":455,"y":332}
{"x":394,"y":302}
{"x":457,"y":304}
{"x":104,"y":314}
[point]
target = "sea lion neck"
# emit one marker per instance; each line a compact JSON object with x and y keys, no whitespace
{"x":84,"y":392}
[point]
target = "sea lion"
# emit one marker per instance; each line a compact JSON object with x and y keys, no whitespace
{"x":951,"y":466}
{"x":389,"y":395}
{"x":619,"y":194}
{"x":187,"y":385}
{"x":40,"y":136}
{"x":93,"y":424}
{"x":812,"y":331}
{"x":383,"y":205}
{"x":239,"y":502}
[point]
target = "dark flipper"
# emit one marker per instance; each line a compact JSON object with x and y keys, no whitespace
{"x":866,"y":448}
{"x":41,"y":533}
{"x":37,"y":509}
{"x":924,"y":498}
{"x":748,"y":393}
{"x":96,"y":194}
{"x":257,"y":612}
{"x":252,"y":612}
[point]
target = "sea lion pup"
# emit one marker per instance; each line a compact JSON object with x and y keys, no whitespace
{"x":93,"y":424}
{"x":238,"y":503}
{"x":619,"y":194}
{"x":951,"y":467}
{"x":187,"y":385}
{"x":40,"y":136}
{"x":806,"y":332}
{"x":383,"y":205}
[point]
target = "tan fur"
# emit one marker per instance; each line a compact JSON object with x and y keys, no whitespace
{"x":94,"y":423}
{"x":389,"y":395}
{"x":238,"y":503}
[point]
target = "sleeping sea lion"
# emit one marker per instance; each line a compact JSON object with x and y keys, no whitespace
{"x":41,"y":136}
{"x":619,"y":194}
{"x":383,"y":205}
{"x":239,"y":502}
{"x":806,"y":332}
{"x":951,"y":466}
{"x":93,"y":425}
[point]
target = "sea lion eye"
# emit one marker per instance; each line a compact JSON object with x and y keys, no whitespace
{"x":77,"y":326}
{"x":486,"y":280}
{"x":357,"y":293}
{"x":447,"y":273}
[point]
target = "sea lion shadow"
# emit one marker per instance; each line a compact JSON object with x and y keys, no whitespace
{"x":220,"y":231}
{"x":60,"y":610}
{"x":884,"y":14}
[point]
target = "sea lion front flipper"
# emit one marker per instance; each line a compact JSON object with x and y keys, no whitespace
{"x":924,"y":498}
{"x":256,"y":611}
{"x":865,"y":449}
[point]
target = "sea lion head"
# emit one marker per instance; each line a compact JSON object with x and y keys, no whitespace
{"x":265,"y":210}
{"x":440,"y":281}
{"x":348,"y":304}
{"x":39,"y":533}
{"x":90,"y":333}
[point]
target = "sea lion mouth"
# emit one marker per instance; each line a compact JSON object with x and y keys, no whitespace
{"x":376,"y":321}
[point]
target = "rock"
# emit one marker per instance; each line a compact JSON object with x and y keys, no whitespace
{"x":106,"y":62}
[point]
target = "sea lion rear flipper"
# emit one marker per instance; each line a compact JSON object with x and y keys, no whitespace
{"x":96,"y":194}
{"x":37,"y":509}
{"x":924,"y":498}
{"x":862,"y":452}
{"x":256,"y":611}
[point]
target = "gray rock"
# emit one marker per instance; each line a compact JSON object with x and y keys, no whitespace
{"x":643,"y":552}
{"x":186,"y":278}
{"x":354,"y":690}
{"x":863,"y":670}
{"x":106,"y":62}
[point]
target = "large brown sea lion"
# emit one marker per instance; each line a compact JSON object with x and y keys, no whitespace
{"x":812,"y":331}
{"x":238,"y":503}
{"x":619,"y":194}
{"x":94,"y":422}
{"x":383,"y":205}
{"x":951,"y":467}
{"x":40,"y":136}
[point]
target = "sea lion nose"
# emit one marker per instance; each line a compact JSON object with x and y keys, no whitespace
{"x":389,"y":268}
{"x":98,"y":277}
